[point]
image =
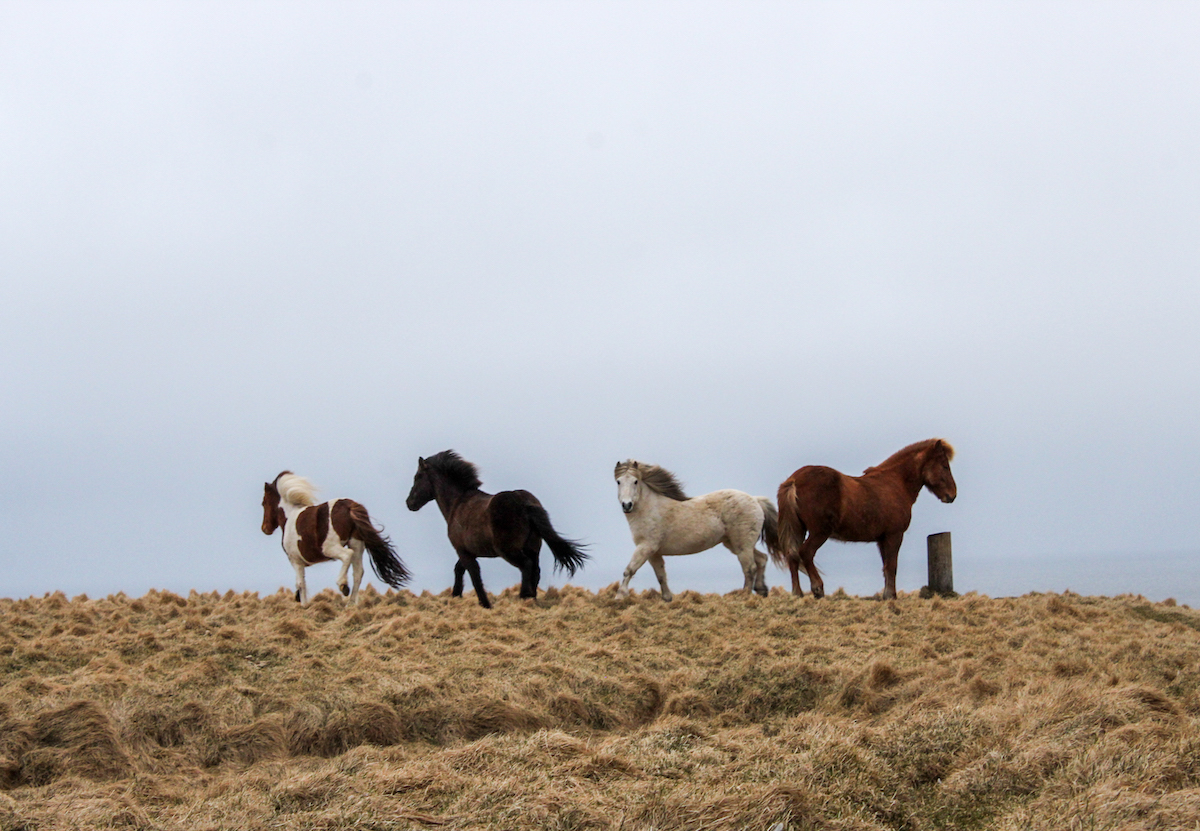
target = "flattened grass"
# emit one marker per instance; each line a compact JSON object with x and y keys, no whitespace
{"x":579,"y":711}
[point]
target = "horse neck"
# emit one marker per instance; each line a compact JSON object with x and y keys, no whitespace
{"x":449,"y":495}
{"x":291,"y":509}
{"x":651,"y":509}
{"x":908,"y":473}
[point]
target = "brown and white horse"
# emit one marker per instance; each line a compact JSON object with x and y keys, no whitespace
{"x":818,"y":503}
{"x":336,"y":530}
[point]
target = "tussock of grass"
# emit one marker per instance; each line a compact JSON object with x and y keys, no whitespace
{"x":579,"y":711}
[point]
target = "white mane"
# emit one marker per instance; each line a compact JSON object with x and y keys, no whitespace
{"x":296,"y":489}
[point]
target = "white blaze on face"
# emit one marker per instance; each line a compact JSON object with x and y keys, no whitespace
{"x":628,"y":489}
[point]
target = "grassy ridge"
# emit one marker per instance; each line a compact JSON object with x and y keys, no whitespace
{"x":580,"y":711}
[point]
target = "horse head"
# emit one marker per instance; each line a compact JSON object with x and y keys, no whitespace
{"x":936,"y":471}
{"x":422,"y":489}
{"x":273,"y":515}
{"x":629,"y":479}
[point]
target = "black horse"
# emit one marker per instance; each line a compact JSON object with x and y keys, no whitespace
{"x":511,"y":524}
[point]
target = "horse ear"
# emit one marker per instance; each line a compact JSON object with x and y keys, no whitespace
{"x":635,"y":464}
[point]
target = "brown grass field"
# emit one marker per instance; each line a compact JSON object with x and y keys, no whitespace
{"x":580,"y":712}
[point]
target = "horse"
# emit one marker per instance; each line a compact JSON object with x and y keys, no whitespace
{"x":337,"y":530}
{"x":665,"y":522}
{"x":509,"y":524}
{"x":818,"y":503}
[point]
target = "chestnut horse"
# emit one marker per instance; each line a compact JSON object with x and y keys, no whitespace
{"x":818,"y":503}
{"x":336,"y":530}
{"x":510,"y":524}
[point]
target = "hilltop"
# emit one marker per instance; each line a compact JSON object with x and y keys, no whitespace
{"x":580,"y":711}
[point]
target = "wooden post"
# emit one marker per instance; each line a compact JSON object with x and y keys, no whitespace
{"x":941,"y":566}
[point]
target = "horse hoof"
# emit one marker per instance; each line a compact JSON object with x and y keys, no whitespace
{"x":297,"y":595}
{"x":345,"y":590}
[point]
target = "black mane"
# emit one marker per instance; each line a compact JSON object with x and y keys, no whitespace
{"x":455,"y":468}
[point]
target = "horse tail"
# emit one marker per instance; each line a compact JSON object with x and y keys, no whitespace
{"x":386,"y":564}
{"x":790,"y":529}
{"x":568,"y":554}
{"x":770,"y":528}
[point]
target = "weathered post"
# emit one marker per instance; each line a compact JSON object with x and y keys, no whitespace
{"x":941,"y":566}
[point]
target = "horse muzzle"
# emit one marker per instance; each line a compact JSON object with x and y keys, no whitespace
{"x":949,"y":498}
{"x":627,"y":507}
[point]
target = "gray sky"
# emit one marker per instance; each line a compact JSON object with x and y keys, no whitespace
{"x":731,"y":239}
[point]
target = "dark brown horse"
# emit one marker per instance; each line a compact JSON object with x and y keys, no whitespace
{"x":511,"y":524}
{"x":818,"y":503}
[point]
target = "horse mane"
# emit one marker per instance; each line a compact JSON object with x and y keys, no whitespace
{"x":455,"y":468}
{"x":295,"y":489}
{"x":914,"y":449}
{"x":658,"y":479}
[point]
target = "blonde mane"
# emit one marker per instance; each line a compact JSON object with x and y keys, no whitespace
{"x":295,"y":489}
{"x":917,"y":447}
{"x":658,"y":479}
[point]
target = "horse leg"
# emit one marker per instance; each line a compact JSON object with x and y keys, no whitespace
{"x":806,"y":555}
{"x":660,"y":571}
{"x":459,"y":570}
{"x":749,"y":566}
{"x":301,"y":586}
{"x":344,"y":557}
{"x":520,"y":560}
{"x":356,"y":564}
{"x":640,"y":555}
{"x":760,"y":573}
{"x":889,"y":550}
{"x":794,"y":569}
{"x":534,"y":570}
{"x":472,"y":566}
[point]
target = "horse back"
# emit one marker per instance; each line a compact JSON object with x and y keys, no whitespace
{"x":819,"y":494}
{"x":832,"y":504}
{"x":341,"y":516}
{"x":508,"y":512}
{"x":738,"y":511}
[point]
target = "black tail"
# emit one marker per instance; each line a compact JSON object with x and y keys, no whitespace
{"x":384,"y":562}
{"x":770,"y":529}
{"x":568,"y":554}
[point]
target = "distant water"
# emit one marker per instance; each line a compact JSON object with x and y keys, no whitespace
{"x":1155,"y":575}
{"x":856,"y":568}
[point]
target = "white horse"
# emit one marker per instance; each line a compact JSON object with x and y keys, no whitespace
{"x":665,"y":523}
{"x":337,"y":530}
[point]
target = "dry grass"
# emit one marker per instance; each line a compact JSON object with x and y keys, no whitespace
{"x":580,"y":711}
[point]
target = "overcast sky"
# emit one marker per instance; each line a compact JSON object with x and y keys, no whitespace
{"x":731,"y":239}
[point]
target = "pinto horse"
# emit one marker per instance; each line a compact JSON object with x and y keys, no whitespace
{"x":819,"y":503}
{"x":664,"y":521}
{"x":337,"y":530}
{"x":510,"y":524}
